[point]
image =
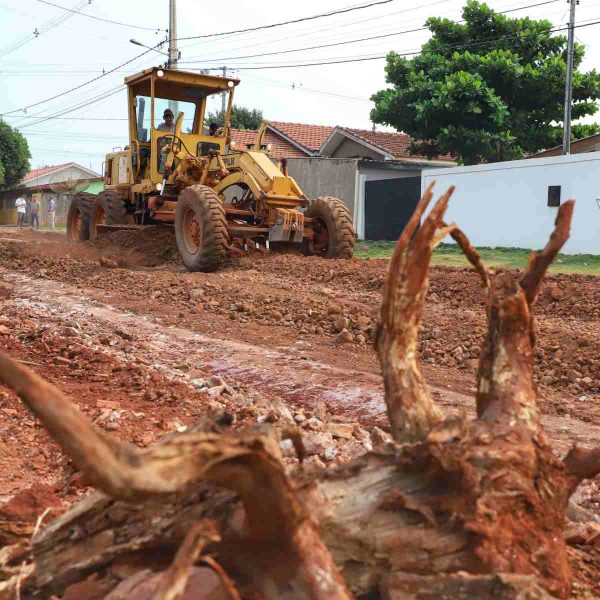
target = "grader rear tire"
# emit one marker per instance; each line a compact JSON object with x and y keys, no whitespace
{"x":78,"y":217}
{"x":333,"y":229}
{"x":201,"y":229}
{"x":108,"y":209}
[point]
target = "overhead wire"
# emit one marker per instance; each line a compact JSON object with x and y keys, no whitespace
{"x":354,"y":41}
{"x":101,"y":18}
{"x":47,"y":26}
{"x":71,"y":90}
{"x":290,"y":22}
{"x":341,"y":60}
{"x":321,"y":15}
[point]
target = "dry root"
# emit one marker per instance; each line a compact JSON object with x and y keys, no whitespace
{"x":485,"y":496}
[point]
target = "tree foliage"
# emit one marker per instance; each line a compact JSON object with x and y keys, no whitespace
{"x":14,"y":156}
{"x":241,"y":117}
{"x":487,"y":89}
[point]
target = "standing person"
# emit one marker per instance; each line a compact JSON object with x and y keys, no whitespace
{"x":35,"y":213}
{"x":51,"y":207}
{"x":21,"y":205}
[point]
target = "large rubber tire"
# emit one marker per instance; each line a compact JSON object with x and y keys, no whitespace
{"x":107,"y":209}
{"x":201,"y":229}
{"x":334,"y":232}
{"x":78,"y":217}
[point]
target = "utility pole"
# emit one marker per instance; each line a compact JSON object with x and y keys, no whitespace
{"x":566,"y":148}
{"x":173,"y":52}
{"x":223,"y":94}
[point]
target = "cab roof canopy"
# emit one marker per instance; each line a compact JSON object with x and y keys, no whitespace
{"x":177,"y":85}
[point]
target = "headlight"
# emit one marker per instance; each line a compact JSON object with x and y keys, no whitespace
{"x":269,"y":147}
{"x":233,"y":145}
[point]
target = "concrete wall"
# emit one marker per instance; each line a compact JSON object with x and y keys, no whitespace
{"x":351,"y":149}
{"x":325,"y":177}
{"x":506,"y":204}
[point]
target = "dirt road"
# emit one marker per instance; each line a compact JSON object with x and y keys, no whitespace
{"x":134,"y":340}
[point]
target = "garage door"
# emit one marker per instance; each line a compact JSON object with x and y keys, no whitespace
{"x":389,"y":204}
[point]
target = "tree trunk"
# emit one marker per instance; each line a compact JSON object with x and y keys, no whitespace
{"x":475,"y":508}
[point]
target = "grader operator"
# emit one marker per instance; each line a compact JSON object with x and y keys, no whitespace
{"x":211,"y":191}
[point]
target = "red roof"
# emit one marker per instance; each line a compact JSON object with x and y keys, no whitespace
{"x":44,"y":170}
{"x":312,"y":137}
{"x":392,"y":142}
{"x":280,"y":147}
{"x":308,"y":136}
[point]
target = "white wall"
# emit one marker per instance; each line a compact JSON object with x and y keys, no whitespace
{"x":69,"y":174}
{"x":506,"y":204}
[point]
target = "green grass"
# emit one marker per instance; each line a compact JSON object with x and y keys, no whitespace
{"x":510,"y":258}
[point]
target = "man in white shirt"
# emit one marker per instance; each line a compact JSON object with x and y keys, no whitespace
{"x":21,"y":205}
{"x":168,"y":124}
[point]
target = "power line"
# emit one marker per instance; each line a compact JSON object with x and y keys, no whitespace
{"x":380,"y":56}
{"x":311,"y":18}
{"x":75,"y":118}
{"x":100,"y":18}
{"x":55,"y":22}
{"x":309,"y":32}
{"x":69,"y":91}
{"x":58,"y":151}
{"x":354,"y":41}
{"x":322,"y":15}
{"x":83,"y":104}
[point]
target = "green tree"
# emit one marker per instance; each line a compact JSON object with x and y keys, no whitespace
{"x":241,"y":117}
{"x":14,"y":156}
{"x":488,"y":89}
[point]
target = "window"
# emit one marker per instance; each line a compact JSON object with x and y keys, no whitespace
{"x":204,"y":147}
{"x":554,"y":195}
{"x":142,"y":118}
{"x":175,"y":106}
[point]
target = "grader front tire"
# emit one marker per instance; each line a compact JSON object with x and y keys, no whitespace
{"x":78,"y":217}
{"x":201,"y":229}
{"x":107,"y":209}
{"x":332,"y":227}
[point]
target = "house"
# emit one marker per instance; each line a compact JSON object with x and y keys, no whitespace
{"x":371,"y":171}
{"x":59,"y":182}
{"x":591,"y":143}
{"x":288,"y":140}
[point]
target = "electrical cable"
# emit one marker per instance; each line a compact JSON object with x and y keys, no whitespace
{"x":354,"y":41}
{"x":25,"y":108}
{"x":101,"y":19}
{"x":380,"y":56}
{"x":300,"y":20}
{"x":51,"y":24}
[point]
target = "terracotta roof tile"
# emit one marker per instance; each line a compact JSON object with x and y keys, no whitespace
{"x":394,"y":143}
{"x":281,"y":148}
{"x":308,"y":136}
{"x":43,"y":171}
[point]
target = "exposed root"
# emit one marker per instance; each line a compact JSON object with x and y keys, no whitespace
{"x":539,"y":262}
{"x":485,"y":496}
{"x":175,"y":581}
{"x":411,"y":409}
{"x":278,"y":523}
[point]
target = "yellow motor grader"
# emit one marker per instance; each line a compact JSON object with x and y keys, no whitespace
{"x":213,"y":192}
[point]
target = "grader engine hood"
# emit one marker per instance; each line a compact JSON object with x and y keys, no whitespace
{"x":276,"y":189}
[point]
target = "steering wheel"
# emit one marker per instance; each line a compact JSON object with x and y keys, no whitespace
{"x":177,"y":133}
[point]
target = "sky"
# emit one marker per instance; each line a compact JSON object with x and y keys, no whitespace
{"x":45,"y":51}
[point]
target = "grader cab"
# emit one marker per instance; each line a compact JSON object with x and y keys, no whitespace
{"x":215,"y":194}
